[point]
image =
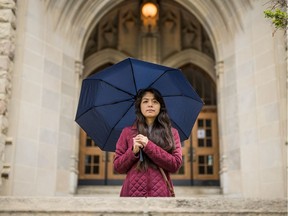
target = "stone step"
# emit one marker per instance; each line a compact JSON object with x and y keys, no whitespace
{"x":110,"y":206}
{"x":180,"y":191}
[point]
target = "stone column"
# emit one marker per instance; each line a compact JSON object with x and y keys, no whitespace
{"x":219,"y":67}
{"x":7,"y":48}
{"x":75,"y":156}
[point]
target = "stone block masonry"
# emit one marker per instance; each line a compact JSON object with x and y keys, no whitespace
{"x":7,"y":50}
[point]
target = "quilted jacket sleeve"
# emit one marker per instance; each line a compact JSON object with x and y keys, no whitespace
{"x":170,"y":162}
{"x":124,"y":156}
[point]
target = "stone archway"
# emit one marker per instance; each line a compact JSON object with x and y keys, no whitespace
{"x":213,"y":16}
{"x":100,"y":58}
{"x":111,"y":42}
{"x":195,"y":57}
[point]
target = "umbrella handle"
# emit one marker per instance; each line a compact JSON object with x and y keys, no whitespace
{"x":141,"y":155}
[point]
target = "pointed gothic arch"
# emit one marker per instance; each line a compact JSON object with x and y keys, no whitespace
{"x":109,"y":43}
{"x":214,"y":17}
{"x":99,"y":58}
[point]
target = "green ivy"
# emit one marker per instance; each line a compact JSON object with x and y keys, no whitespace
{"x":278,"y":17}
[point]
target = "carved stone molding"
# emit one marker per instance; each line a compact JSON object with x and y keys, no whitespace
{"x":120,"y":29}
{"x":79,"y":69}
{"x":219,"y":68}
{"x":102,"y":57}
{"x":7,"y":49}
{"x":223,"y":164}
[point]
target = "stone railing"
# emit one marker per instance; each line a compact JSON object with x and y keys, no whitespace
{"x":96,"y":206}
{"x":7,"y":48}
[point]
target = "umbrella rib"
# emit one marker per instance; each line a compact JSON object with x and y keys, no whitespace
{"x":118,"y":122}
{"x":178,"y":127}
{"x":115,"y":87}
{"x":105,"y":105}
{"x":133,"y":75}
{"x":160,"y":76}
{"x":113,"y":103}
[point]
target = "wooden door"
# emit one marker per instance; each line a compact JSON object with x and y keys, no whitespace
{"x":91,"y":161}
{"x":183,"y":176}
{"x":205,"y":155}
{"x":95,"y":165}
{"x":112,"y":176}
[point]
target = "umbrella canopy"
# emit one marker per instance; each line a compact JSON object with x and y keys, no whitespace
{"x":106,"y":103}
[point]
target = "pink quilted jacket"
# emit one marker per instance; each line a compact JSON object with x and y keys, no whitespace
{"x":148,"y":183}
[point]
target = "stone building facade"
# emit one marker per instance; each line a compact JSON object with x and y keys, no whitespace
{"x":225,"y":48}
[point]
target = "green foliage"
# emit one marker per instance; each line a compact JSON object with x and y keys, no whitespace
{"x":277,"y":13}
{"x":279,"y":18}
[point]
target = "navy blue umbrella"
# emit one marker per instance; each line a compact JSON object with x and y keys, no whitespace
{"x":106,"y":103}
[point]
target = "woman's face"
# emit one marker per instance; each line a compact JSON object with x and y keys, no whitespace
{"x":150,"y":107}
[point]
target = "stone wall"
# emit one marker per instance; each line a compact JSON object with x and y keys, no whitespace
{"x":7,"y":47}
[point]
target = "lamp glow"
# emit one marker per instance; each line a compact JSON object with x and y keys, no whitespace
{"x":149,"y":10}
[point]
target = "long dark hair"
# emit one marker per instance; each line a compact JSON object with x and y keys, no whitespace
{"x":161,"y":133}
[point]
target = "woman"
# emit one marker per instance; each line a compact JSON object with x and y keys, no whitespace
{"x":160,"y":145}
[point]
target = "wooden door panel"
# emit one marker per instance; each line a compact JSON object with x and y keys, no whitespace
{"x":205,"y":148}
{"x":91,"y":159}
{"x":111,"y":174}
{"x":184,"y":173}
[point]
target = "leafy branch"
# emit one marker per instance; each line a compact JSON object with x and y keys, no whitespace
{"x":277,"y":14}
